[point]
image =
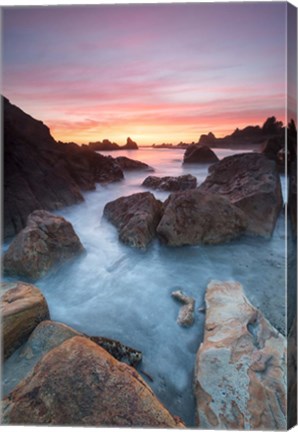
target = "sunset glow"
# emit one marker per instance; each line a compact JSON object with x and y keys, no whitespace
{"x":156,"y":73}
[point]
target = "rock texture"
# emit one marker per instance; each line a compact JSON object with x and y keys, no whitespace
{"x":46,"y":241}
{"x":40,"y":173}
{"x":251,"y":182}
{"x":193,"y":217}
{"x":79,"y":383}
{"x":171,"y":184}
{"x":240,"y":374}
{"x":186,"y":315}
{"x":127,"y":164}
{"x":136,"y":217}
{"x":23,"y":307}
{"x":202,"y":154}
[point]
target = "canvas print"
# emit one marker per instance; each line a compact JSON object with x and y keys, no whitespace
{"x":149,"y":215}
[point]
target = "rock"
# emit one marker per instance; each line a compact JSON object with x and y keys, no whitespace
{"x":79,"y":384}
{"x":196,"y":153}
{"x":240,"y":373}
{"x":23,"y":307}
{"x":127,"y":164}
{"x":292,"y":374}
{"x":118,"y":350}
{"x":41,"y":173}
{"x":186,"y":314}
{"x":105,"y":145}
{"x":130,"y":145}
{"x":192,"y":217}
{"x":207,"y":140}
{"x":136,"y":217}
{"x":46,"y":241}
{"x":171,"y":183}
{"x":251,"y":182}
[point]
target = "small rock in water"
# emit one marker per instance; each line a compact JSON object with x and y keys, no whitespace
{"x":118,"y":350}
{"x":186,"y":312}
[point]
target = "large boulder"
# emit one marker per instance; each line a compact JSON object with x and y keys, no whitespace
{"x":46,"y":241}
{"x":193,"y":217}
{"x":201,"y":154}
{"x":251,"y":182}
{"x":23,"y":307}
{"x":78,"y":383}
{"x":240,"y":373}
{"x":127,"y":164}
{"x":136,"y":217}
{"x":171,"y":184}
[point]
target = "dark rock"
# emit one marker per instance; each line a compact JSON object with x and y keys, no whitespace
{"x":105,"y":145}
{"x":193,"y":217}
{"x":130,"y":145}
{"x":196,"y":153}
{"x":40,"y":173}
{"x":127,"y":164}
{"x":118,"y":350}
{"x":45,"y":241}
{"x":171,"y":183}
{"x":23,"y":307}
{"x":251,"y":182}
{"x":79,"y":384}
{"x":207,"y":140}
{"x":136,"y":217}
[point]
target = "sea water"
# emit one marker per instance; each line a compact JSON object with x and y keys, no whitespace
{"x":125,"y":294}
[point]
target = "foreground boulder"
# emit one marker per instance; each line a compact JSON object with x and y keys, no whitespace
{"x":186,"y":315}
{"x":192,"y":217}
{"x":23,"y":307}
{"x":251,"y":182}
{"x":136,"y":217}
{"x":96,"y":390}
{"x":171,"y":184}
{"x":240,"y":374}
{"x":202,"y":154}
{"x":47,"y":240}
{"x":127,"y":164}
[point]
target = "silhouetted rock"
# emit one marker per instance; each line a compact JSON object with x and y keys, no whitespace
{"x":128,"y":164}
{"x":193,"y":217}
{"x":105,"y":145}
{"x":136,"y":217}
{"x":171,"y":184}
{"x":130,"y":145}
{"x":207,"y":140}
{"x":45,"y":241}
{"x":199,"y":154}
{"x":79,"y":384}
{"x":240,"y":374}
{"x":40,"y":173}
{"x":23,"y":307}
{"x":251,"y":182}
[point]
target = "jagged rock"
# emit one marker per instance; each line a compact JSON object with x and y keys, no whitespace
{"x":192,"y":217}
{"x":130,"y":145}
{"x":41,"y":173}
{"x":251,"y":182}
{"x":172,"y":184}
{"x":47,"y":240}
{"x":240,"y":373}
{"x":136,"y":217}
{"x":103,"y":146}
{"x":127,"y":164}
{"x":23,"y":307}
{"x":196,"y":153}
{"x":186,"y":314}
{"x":79,"y":383}
{"x":207,"y":140}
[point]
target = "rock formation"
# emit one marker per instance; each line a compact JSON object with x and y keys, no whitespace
{"x":136,"y":217}
{"x":130,"y":145}
{"x":196,"y":153}
{"x":240,"y":374}
{"x":171,"y":184}
{"x":78,"y":383}
{"x":105,"y":145}
{"x":22,"y":307}
{"x":251,"y":182}
{"x":46,"y":240}
{"x":186,"y":315}
{"x":127,"y":164}
{"x":192,"y":217}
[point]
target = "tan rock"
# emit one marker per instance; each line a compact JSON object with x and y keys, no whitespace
{"x":186,"y":315}
{"x":79,"y":383}
{"x":23,"y":307}
{"x":240,"y":374}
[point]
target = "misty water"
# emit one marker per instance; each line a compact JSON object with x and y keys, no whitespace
{"x":125,"y":294}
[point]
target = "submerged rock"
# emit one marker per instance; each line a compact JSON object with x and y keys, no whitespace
{"x":186,"y":314}
{"x":136,"y":217}
{"x":23,"y":307}
{"x":47,"y":240}
{"x":202,"y":154}
{"x":127,"y":164}
{"x":172,"y":184}
{"x":79,"y":384}
{"x":251,"y":182}
{"x":192,"y":217}
{"x":240,"y":374}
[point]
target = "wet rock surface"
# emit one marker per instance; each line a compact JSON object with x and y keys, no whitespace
{"x":186,"y":315}
{"x":127,"y":164}
{"x":171,"y":184}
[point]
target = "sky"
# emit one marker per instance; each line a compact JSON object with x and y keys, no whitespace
{"x":157,"y":73}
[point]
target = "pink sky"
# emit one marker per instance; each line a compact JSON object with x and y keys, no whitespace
{"x":156,"y":73}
